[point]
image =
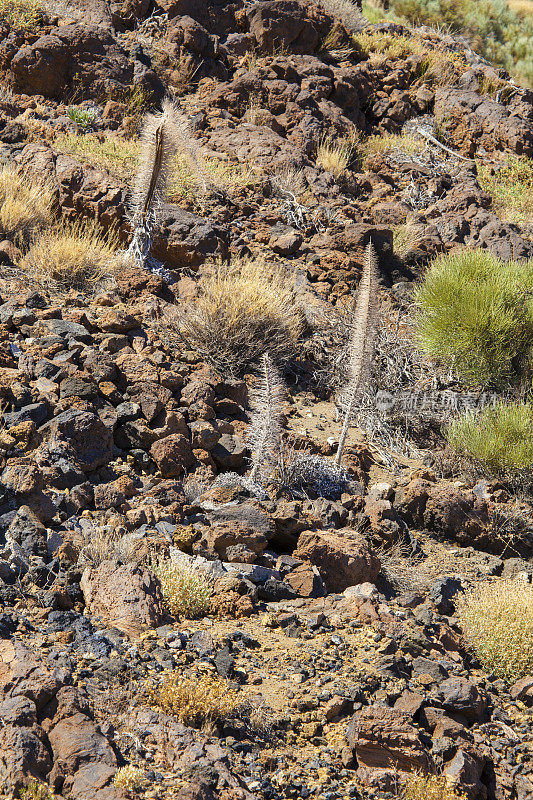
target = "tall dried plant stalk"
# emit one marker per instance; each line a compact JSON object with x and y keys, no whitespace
{"x":264,"y":436}
{"x":361,"y":344}
{"x":163,"y":135}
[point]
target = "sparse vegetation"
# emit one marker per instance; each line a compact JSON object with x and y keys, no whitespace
{"x":406,"y":239}
{"x":476,"y":312}
{"x":36,"y":791}
{"x":187,"y":179}
{"x":388,"y":143}
{"x":72,"y":255}
{"x":429,"y":787}
{"x":26,"y":205}
{"x":128,"y":777}
{"x":21,"y":14}
{"x":497,"y":621}
{"x":119,"y":156}
{"x":185,"y":590}
{"x":499,"y":31}
{"x":500,"y":437}
{"x":438,"y":67}
{"x":510,"y":186}
{"x":194,"y":701}
{"x":245,"y":308}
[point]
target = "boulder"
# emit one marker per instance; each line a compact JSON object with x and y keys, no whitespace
{"x":343,"y":558}
{"x":475,"y":120}
{"x":172,"y":455}
{"x":126,"y":597}
{"x":236,"y":533}
{"x":461,"y":696}
{"x":288,"y":23}
{"x":184,"y":240}
{"x":84,"y":434}
{"x":385,"y":742}
{"x":88,"y":52}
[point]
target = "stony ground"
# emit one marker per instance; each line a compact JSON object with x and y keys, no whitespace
{"x":343,"y":649}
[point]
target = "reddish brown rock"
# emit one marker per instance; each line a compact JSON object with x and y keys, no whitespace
{"x":22,"y":674}
{"x":385,"y":743}
{"x":523,"y":690}
{"x":127,"y":597}
{"x":172,"y":454}
{"x":306,"y":581}
{"x":342,"y":557}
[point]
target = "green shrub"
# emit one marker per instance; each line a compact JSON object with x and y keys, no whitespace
{"x":500,"y":437}
{"x":499,"y":33}
{"x":510,"y":186}
{"x":476,"y":313}
{"x":497,"y":621}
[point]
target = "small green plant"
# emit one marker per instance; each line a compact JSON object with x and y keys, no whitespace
{"x":22,"y":14}
{"x":475,"y":313}
{"x":84,"y":117}
{"x":36,"y":791}
{"x":185,"y":590}
{"x":128,"y":777}
{"x":497,"y":621}
{"x":500,"y":437}
{"x":194,"y":701}
{"x":510,"y":186}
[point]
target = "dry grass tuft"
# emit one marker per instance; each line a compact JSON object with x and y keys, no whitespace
{"x":128,"y":777}
{"x":185,"y":590}
{"x":194,"y":701}
{"x":107,"y":542}
{"x":245,"y":309}
{"x":497,"y":620}
{"x":429,"y":787}
{"x":406,"y":239}
{"x":22,"y":14}
{"x":25,"y":205}
{"x":334,"y":154}
{"x":119,"y":156}
{"x":72,"y":256}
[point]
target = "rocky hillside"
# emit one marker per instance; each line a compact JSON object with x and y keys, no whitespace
{"x":207,"y":592}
